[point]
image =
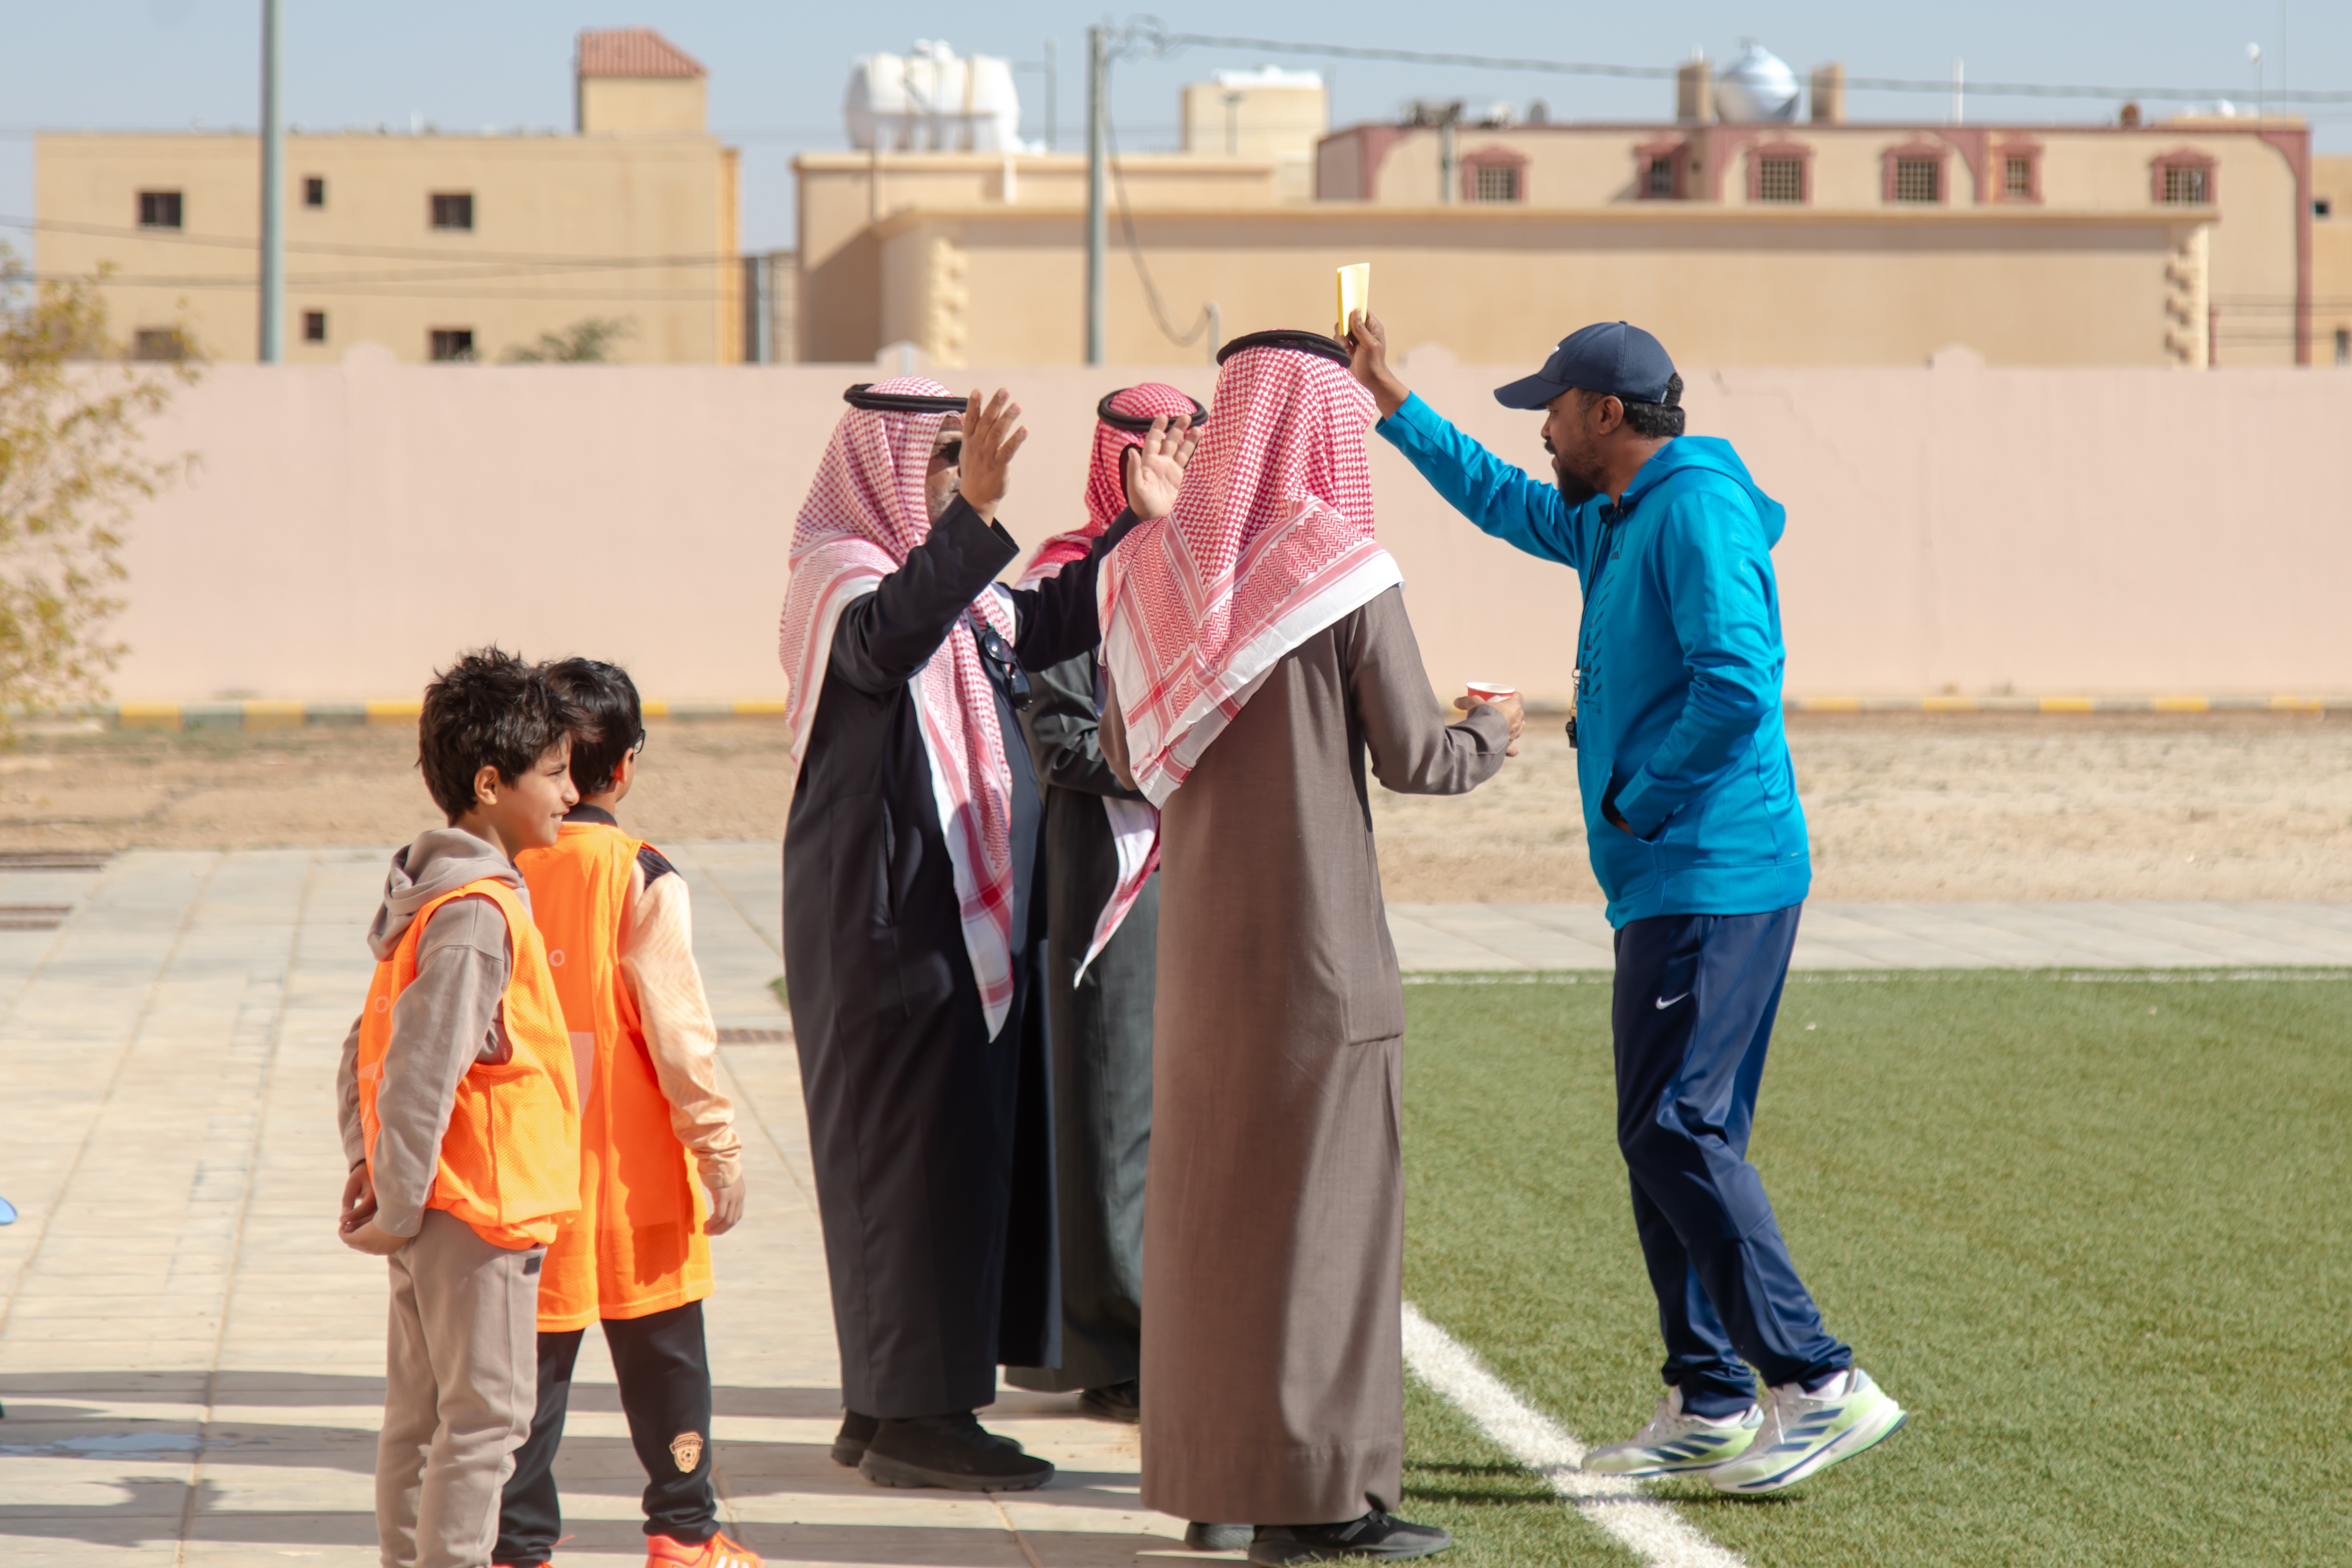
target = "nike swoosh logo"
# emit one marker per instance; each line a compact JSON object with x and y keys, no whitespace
{"x":1666,"y":1002}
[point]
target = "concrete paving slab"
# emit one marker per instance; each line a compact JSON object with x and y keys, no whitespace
{"x":192,"y":1367}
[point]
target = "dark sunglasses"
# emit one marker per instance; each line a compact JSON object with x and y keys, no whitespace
{"x":994,"y":649}
{"x":952,"y":454}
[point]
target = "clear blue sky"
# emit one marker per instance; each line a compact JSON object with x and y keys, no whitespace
{"x":778,"y":67}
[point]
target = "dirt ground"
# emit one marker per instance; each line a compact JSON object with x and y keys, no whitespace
{"x":1901,"y":806}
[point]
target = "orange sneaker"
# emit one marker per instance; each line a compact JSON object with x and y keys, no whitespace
{"x":668,"y":1552}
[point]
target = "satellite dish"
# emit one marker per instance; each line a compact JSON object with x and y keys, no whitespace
{"x":1758,"y":86}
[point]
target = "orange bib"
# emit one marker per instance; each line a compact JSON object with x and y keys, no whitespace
{"x":510,"y":1154}
{"x":636,"y":1246}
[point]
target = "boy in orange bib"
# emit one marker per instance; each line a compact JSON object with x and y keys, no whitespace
{"x":614,"y":914}
{"x":459,"y":1114}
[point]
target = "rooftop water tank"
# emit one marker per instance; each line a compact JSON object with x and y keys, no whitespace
{"x":930,"y":99}
{"x":1757,"y":86}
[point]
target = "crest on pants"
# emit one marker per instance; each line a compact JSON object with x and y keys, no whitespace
{"x":686,"y":1451}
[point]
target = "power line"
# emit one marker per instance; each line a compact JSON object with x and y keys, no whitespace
{"x":1148,"y":32}
{"x":1209,"y":313}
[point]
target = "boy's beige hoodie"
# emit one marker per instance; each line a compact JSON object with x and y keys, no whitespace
{"x":448,"y":1020}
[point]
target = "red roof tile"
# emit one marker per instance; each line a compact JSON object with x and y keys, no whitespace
{"x":634,"y":52}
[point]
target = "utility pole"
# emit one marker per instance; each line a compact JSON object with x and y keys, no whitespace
{"x":273,"y":195}
{"x":1445,"y":160}
{"x":1098,"y":220}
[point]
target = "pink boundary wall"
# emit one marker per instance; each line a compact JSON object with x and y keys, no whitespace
{"x":1950,"y":527}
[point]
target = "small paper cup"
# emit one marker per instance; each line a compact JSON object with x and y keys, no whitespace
{"x":1490,"y":691}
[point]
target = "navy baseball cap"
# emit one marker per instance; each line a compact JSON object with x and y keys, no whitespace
{"x":1608,"y":358}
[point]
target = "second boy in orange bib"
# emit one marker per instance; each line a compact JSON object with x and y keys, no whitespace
{"x":636,"y":1256}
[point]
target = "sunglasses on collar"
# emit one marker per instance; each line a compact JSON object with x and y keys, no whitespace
{"x":999,"y":655}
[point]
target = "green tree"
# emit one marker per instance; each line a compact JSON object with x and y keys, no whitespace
{"x":72,"y":464}
{"x":587,"y":341}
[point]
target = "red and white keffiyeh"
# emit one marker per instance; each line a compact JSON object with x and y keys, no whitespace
{"x":1271,"y":541}
{"x":1134,"y":825}
{"x":864,"y":511}
{"x":1106,"y":483}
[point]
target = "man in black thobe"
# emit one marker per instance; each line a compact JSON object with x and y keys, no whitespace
{"x":1102,"y":1050}
{"x":929,"y":1123}
{"x":1101,"y":1009}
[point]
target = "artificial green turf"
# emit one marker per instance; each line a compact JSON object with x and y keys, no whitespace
{"x":1501,"y":1515}
{"x":2092,"y":1235}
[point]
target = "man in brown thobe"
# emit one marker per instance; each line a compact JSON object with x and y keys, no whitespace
{"x":1275,"y":1207}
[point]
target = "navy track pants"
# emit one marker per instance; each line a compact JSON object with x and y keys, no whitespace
{"x":1693,"y":1010}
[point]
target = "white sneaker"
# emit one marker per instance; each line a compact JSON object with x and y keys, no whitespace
{"x":1804,"y":1434}
{"x":1676,"y":1442}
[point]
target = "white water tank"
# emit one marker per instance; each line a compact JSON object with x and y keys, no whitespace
{"x":1758,"y":86}
{"x":930,"y":99}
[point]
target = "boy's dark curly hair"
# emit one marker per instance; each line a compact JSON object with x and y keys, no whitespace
{"x":488,"y":710}
{"x":608,"y":723}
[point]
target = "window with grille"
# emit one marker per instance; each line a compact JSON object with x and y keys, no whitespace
{"x":1494,"y":182}
{"x":1780,"y":179}
{"x":314,"y":190}
{"x":314,"y":326}
{"x":2185,"y":185}
{"x":1660,"y":177}
{"x":453,"y":209}
{"x":452,"y":343}
{"x":159,"y":209}
{"x":1918,"y":179}
{"x":2017,"y":177}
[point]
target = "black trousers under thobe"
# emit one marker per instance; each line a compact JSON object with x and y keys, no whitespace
{"x":1102,"y":1044}
{"x":663,"y":1368}
{"x":932,"y":1141}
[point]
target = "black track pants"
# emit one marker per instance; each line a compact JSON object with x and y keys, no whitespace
{"x":664,"y":1371}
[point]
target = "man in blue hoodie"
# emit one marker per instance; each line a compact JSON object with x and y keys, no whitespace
{"x":1697,"y":837}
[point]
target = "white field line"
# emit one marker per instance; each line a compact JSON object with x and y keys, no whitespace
{"x":1648,"y":1524}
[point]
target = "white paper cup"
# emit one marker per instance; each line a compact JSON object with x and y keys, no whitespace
{"x":1490,"y":691}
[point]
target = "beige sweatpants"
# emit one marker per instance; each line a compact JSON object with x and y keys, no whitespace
{"x":460,"y":1385}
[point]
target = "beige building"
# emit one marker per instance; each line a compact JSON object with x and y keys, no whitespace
{"x":2249,"y":180}
{"x":863,"y":285}
{"x":439,"y":247}
{"x":2331,"y":261}
{"x":2185,"y":243}
{"x":1268,"y":113}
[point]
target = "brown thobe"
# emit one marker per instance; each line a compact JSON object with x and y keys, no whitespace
{"x":1274,"y":1214}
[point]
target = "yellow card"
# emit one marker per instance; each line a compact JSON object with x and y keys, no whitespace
{"x":1355,"y":292}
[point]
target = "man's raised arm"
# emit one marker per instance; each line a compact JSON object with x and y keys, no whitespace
{"x":1502,"y":500}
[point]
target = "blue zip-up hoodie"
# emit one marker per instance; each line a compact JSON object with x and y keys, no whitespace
{"x":1678,"y":712}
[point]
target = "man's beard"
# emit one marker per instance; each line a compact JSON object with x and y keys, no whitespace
{"x":936,"y":501}
{"x":1573,"y":490}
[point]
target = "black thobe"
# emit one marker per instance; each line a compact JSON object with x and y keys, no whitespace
{"x":933,"y":1142}
{"x":1102,"y":1041}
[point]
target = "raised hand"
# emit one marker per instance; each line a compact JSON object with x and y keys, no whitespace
{"x":992,"y":434}
{"x":1155,"y":470}
{"x":1367,"y":360}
